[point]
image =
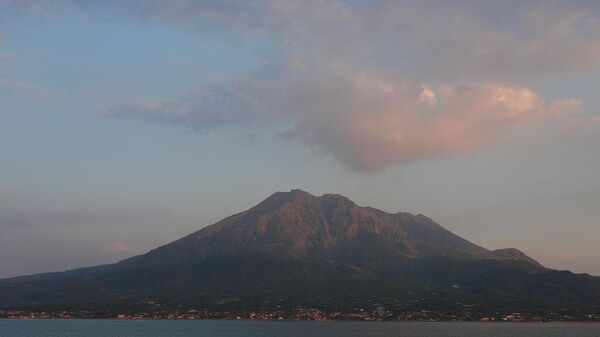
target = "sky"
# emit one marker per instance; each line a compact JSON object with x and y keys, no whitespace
{"x":128,"y":124}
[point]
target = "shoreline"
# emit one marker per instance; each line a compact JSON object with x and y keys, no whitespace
{"x":308,"y":320}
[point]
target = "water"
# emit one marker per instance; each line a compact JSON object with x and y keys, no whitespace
{"x":111,"y":328}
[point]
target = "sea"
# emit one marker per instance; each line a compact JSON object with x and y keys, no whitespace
{"x":125,"y":328}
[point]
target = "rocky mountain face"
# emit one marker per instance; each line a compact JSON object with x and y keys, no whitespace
{"x":295,"y":249}
{"x":328,"y":228}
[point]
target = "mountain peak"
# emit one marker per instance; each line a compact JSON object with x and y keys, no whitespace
{"x":297,"y":249}
{"x":329,"y":227}
{"x":279,"y":198}
{"x":291,"y":195}
{"x":299,"y":197}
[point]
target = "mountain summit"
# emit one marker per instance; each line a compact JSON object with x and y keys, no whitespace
{"x":295,"y":249}
{"x":329,"y":228}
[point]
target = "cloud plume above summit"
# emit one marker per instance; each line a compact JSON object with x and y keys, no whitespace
{"x":377,"y":84}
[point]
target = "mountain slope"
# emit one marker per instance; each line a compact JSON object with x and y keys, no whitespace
{"x":330,"y":227}
{"x":295,"y":249}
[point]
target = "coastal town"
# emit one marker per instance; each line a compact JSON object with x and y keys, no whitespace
{"x":304,"y":314}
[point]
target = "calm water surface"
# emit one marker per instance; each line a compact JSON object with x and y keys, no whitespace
{"x":109,"y":328}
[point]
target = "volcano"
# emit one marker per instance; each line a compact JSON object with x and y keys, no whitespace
{"x":295,"y":250}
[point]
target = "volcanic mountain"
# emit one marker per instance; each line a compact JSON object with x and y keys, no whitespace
{"x":299,"y":250}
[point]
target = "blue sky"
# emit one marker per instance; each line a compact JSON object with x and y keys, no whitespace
{"x":126,"y":125}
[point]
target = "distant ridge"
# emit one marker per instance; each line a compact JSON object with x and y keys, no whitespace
{"x":294,"y":250}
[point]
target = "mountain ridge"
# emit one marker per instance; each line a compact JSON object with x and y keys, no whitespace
{"x":307,"y":222}
{"x":295,"y":249}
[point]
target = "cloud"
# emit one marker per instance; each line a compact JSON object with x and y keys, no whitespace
{"x":456,"y":40}
{"x":427,"y":96}
{"x":374,"y":128}
{"x":8,"y":223}
{"x":117,"y":246}
{"x":9,"y":84}
{"x":4,"y":57}
{"x":372,"y":123}
{"x":223,"y":104}
{"x":349,"y":74}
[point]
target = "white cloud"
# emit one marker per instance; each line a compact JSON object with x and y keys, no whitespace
{"x":427,"y":96}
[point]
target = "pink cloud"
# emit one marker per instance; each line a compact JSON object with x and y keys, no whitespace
{"x":366,"y":120}
{"x":117,"y":246}
{"x":371,"y":128}
{"x":349,"y":77}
